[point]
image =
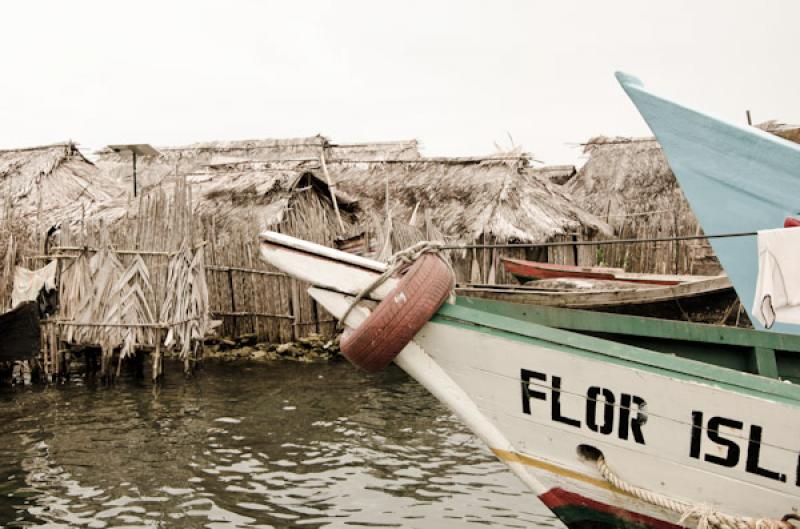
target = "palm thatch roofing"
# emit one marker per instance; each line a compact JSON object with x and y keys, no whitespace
{"x":53,"y":183}
{"x":246,"y":181}
{"x":626,"y":177}
{"x":467,"y":198}
{"x":788,"y":132}
{"x":248,"y":195}
{"x":556,"y":174}
{"x":258,"y":194}
{"x":464,"y":198}
{"x":290,"y":152}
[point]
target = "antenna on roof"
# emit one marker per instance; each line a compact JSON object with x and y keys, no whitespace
{"x":136,"y":149}
{"x":749,"y":119}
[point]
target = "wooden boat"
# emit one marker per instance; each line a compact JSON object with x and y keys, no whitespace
{"x":737,"y":179}
{"x":604,"y":298}
{"x":605,"y":433}
{"x":525,"y":271}
{"x":20,"y":338}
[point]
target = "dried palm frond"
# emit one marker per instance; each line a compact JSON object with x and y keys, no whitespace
{"x":75,"y":293}
{"x":106,"y":271}
{"x":186,"y":305}
{"x":130,"y":293}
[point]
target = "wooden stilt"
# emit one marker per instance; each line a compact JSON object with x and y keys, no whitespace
{"x":157,"y":361}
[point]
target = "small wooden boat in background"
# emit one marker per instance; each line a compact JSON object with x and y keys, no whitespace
{"x":525,"y":271}
{"x":703,"y":298}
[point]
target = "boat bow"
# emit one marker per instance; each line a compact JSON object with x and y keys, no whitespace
{"x":736,"y":178}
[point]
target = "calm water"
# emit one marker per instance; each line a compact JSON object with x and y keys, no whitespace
{"x":249,"y":446}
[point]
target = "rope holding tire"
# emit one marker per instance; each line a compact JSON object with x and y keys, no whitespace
{"x":426,"y":284}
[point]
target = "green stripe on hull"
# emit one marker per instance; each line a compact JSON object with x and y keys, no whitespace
{"x":638,"y":325}
{"x":771,"y":355}
{"x":618,"y":353}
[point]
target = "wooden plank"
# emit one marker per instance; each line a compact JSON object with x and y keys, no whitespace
{"x":295,"y":309}
{"x":252,"y":313}
{"x":764,"y":362}
{"x":245,"y":270}
{"x":597,"y":298}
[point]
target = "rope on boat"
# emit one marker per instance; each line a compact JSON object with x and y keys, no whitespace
{"x":397,"y":262}
{"x":706,"y":516}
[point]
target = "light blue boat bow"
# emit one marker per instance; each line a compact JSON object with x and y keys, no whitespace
{"x":736,"y":178}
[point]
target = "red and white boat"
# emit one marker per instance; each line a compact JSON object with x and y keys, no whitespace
{"x":525,"y":271}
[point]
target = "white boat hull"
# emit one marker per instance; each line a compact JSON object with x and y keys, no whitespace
{"x":539,"y":396}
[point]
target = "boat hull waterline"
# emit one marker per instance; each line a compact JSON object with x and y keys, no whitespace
{"x":547,"y":401}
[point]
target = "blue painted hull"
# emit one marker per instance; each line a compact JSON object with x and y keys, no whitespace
{"x":736,"y":179}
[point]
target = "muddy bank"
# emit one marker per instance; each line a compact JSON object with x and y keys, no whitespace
{"x":314,"y":348}
{"x":85,"y":360}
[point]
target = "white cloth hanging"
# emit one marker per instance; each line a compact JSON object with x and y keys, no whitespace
{"x":28,"y":283}
{"x":778,"y":286}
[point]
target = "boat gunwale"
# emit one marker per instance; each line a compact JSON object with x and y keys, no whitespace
{"x":594,"y":321}
{"x":621,"y":354}
{"x":601,"y":298}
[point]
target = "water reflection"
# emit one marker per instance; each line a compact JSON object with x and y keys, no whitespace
{"x":249,"y":446}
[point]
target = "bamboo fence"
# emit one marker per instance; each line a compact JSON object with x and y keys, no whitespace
{"x":139,"y":284}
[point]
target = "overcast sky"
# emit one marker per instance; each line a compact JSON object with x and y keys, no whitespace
{"x":459,"y":76}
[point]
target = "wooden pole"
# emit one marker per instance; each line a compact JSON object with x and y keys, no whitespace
{"x":134,"y":173}
{"x":331,"y":188}
{"x":230,"y":287}
{"x":233,"y":302}
{"x":39,"y":239}
{"x":295,"y":309}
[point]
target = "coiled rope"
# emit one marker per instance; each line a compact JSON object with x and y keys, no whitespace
{"x":396,"y":263}
{"x":706,"y":516}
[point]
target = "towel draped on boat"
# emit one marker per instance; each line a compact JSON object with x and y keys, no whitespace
{"x":778,"y":288}
{"x":28,"y":283}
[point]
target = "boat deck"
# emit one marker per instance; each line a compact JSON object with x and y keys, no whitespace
{"x":583,"y":299}
{"x":771,"y":355}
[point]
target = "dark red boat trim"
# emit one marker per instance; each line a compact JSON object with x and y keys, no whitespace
{"x":579,"y":512}
{"x":527,"y":270}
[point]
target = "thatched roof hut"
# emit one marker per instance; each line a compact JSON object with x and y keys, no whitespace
{"x":291,"y":151}
{"x":625,"y":176}
{"x":237,"y":200}
{"x":629,"y":183}
{"x":259,"y":196}
{"x":53,"y":183}
{"x":469,"y":200}
{"x":236,"y":190}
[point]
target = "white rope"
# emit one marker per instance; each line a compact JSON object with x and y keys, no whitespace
{"x":396,"y":263}
{"x":706,"y":516}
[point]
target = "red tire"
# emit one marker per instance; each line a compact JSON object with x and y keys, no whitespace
{"x":394,"y":322}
